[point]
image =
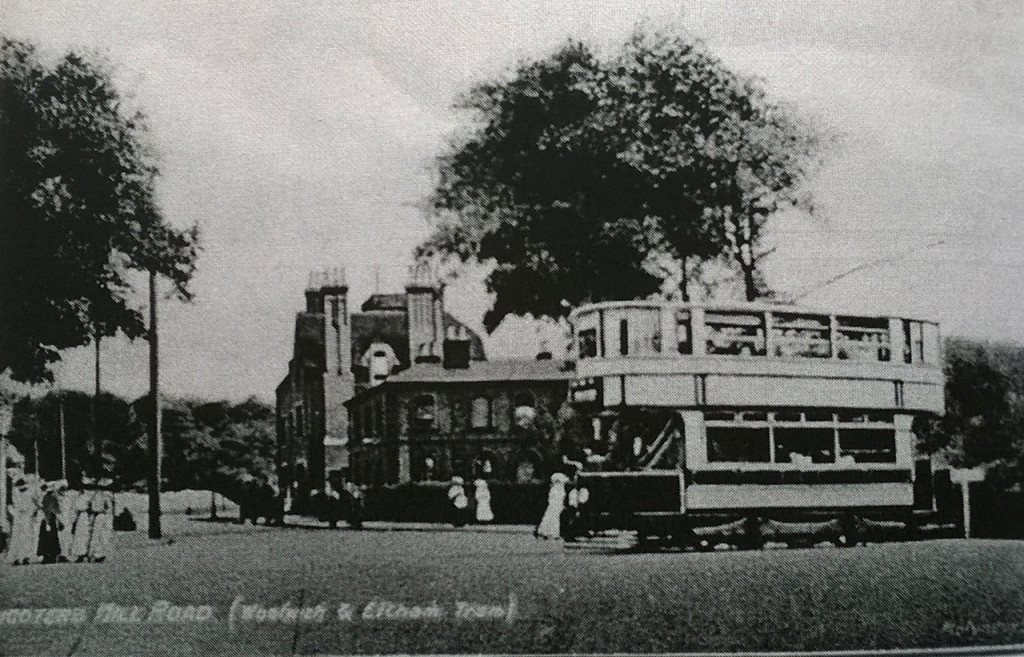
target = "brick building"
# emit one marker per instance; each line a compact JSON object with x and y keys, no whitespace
{"x":338,"y":353}
{"x":489,"y":419}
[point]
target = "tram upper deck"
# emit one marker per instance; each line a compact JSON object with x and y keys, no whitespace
{"x":751,"y":355}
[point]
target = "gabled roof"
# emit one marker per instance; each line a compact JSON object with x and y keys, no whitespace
{"x":386,"y":326}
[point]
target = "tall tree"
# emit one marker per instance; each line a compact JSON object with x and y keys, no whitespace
{"x":77,"y":184}
{"x":577,"y":175}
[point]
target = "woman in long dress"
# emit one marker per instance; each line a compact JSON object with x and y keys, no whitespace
{"x":24,"y":528}
{"x":81,"y":526}
{"x":483,"y":501}
{"x":550,"y":524}
{"x":49,"y":531}
{"x":101,"y":507}
{"x":67,"y":518}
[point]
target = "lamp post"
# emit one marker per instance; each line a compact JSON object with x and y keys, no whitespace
{"x":155,"y":437}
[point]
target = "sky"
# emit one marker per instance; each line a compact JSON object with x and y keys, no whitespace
{"x":301,"y":134}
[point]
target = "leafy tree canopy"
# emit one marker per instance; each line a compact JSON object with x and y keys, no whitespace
{"x":577,"y":173}
{"x":984,"y":417}
{"x":77,"y":190}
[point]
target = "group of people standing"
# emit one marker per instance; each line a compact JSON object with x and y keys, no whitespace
{"x":462,"y":512}
{"x":53,"y":523}
{"x":564,"y":500}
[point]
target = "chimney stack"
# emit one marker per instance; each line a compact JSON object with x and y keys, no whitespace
{"x":424,"y":312}
{"x":456,"y":349}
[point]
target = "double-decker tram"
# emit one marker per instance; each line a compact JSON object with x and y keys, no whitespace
{"x":744,"y":423}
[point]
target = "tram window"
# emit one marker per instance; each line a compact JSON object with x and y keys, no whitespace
{"x":805,"y":336}
{"x":735,"y":334}
{"x":624,"y":337}
{"x":804,"y":446}
{"x":754,"y":416}
{"x":913,"y":342}
{"x":738,"y":445}
{"x":788,"y":416}
{"x":720,"y":416}
{"x":588,"y":343}
{"x":873,"y":417}
{"x":684,"y":343}
{"x":645,"y":331}
{"x":863,"y":338}
{"x":930,"y":349}
{"x":868,"y":445}
{"x":818,"y":416}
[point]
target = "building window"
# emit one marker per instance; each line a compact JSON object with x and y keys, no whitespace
{"x":459,"y":415}
{"x":422,"y":413}
{"x":480,"y":412}
{"x":299,"y":422}
{"x":391,"y":415}
{"x":523,"y":410}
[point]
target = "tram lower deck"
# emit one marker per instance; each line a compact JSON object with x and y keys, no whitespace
{"x":716,"y":425}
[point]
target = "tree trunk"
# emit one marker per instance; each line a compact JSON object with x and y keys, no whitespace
{"x":748,"y":281}
{"x":683,"y":284}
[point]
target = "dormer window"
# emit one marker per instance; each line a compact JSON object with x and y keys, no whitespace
{"x":379,"y":361}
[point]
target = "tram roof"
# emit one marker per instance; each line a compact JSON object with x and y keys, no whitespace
{"x":735,"y":306}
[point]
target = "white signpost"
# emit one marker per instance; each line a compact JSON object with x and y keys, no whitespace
{"x":965,"y":477}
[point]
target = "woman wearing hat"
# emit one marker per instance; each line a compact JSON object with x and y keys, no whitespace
{"x":49,"y":530}
{"x":550,"y":524}
{"x":459,"y":500}
{"x":82,"y":523}
{"x":101,"y":508}
{"x":24,"y":527}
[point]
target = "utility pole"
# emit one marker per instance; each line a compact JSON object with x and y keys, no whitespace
{"x":63,"y":437}
{"x":96,"y":442}
{"x":155,"y":437}
{"x":6,"y":419}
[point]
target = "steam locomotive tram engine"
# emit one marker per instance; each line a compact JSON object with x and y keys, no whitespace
{"x":747,"y":423}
